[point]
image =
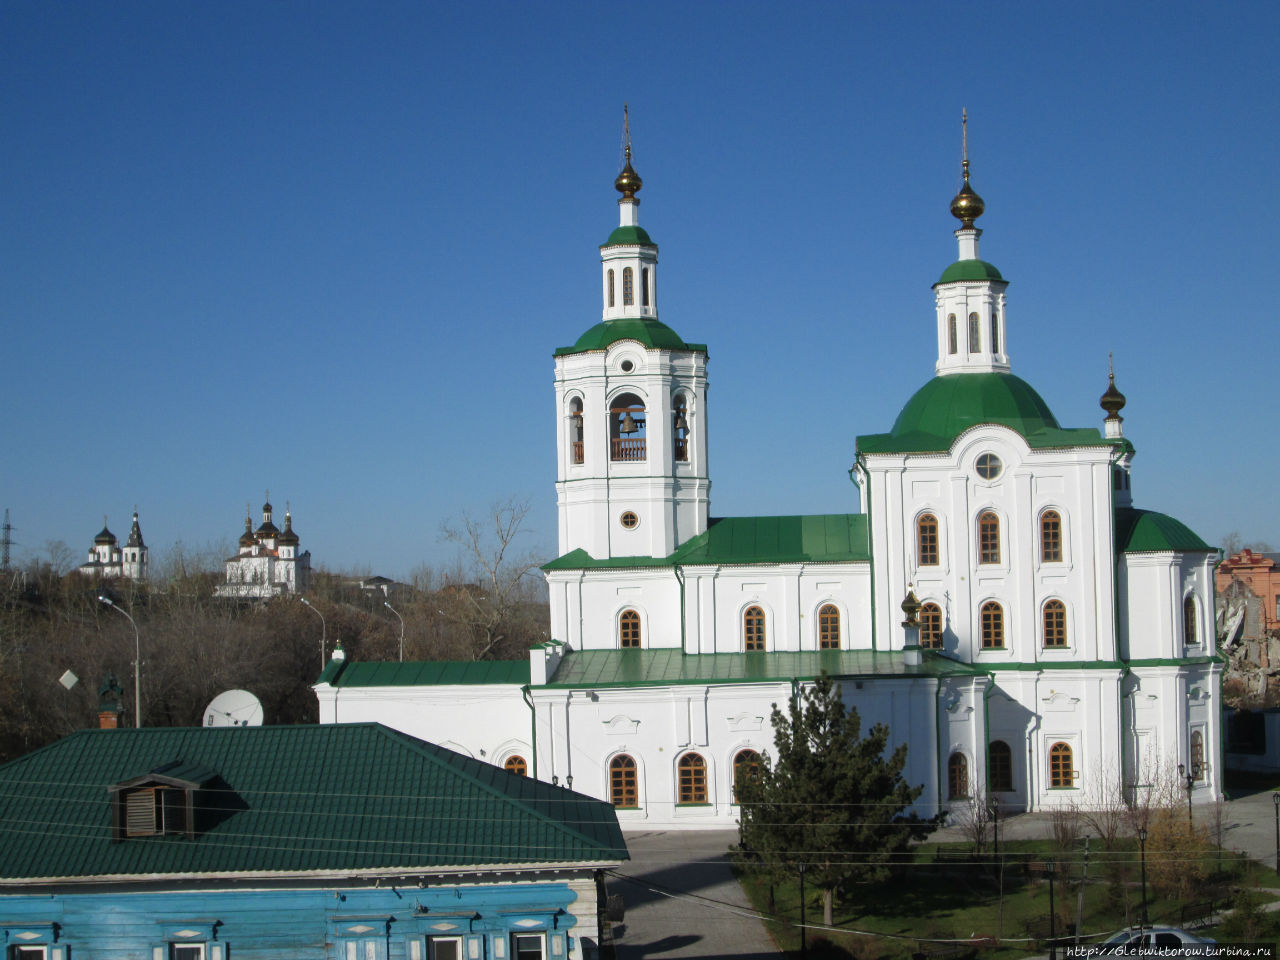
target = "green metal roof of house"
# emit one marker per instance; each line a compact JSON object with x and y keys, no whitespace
{"x":651,"y":334}
{"x":1145,"y":531}
{"x":820,"y":538}
{"x":663,"y":667}
{"x":947,"y":406}
{"x":348,"y":673}
{"x":629,"y":235}
{"x":290,"y":800}
{"x":970,"y":270}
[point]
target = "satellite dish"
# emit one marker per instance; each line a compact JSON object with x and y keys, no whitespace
{"x":233,"y":708}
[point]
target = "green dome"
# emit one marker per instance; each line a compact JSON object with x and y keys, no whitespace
{"x":947,"y":406}
{"x":1145,"y":531}
{"x":629,"y":235}
{"x":970,"y":270}
{"x":652,"y":334}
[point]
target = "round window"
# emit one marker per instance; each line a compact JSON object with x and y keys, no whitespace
{"x":627,"y":366}
{"x":629,"y":520}
{"x":989,"y":466}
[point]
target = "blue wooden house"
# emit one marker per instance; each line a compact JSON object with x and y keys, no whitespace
{"x":344,"y":842}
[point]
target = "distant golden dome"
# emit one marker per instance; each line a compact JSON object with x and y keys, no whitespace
{"x":628,"y":181}
{"x":967,"y":206}
{"x":1113,"y":400}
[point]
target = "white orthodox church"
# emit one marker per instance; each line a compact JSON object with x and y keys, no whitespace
{"x":998,"y":601}
{"x":109,"y":561}
{"x":268,"y":562}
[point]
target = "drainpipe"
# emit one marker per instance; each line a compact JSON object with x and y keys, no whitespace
{"x":533,"y":727}
{"x":986,"y":728}
{"x":938,"y":767}
{"x":858,"y":463}
{"x":680,"y":577}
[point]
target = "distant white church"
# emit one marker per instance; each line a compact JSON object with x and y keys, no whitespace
{"x":998,"y":601}
{"x":268,"y":563}
{"x":109,"y":561}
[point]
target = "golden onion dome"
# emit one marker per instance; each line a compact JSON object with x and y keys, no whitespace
{"x":628,"y":181}
{"x":1113,"y":400}
{"x":967,"y":206}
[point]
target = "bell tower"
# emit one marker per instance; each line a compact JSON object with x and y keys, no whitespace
{"x":970,"y":295}
{"x":631,"y":398}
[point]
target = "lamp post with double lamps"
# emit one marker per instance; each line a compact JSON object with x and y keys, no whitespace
{"x":137,"y":661}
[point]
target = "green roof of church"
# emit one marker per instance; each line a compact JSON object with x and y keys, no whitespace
{"x":829,"y":538}
{"x":669,"y":665}
{"x":653,"y":334}
{"x":947,"y":406}
{"x":1145,"y":531}
{"x":629,"y":235}
{"x":291,"y":799}
{"x":349,"y":673}
{"x":970,"y":270}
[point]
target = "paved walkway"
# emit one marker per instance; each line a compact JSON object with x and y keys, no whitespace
{"x":683,"y":901}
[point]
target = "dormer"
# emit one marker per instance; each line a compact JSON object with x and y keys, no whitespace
{"x":162,"y":802}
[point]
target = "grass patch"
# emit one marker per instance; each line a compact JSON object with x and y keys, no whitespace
{"x":947,"y":903}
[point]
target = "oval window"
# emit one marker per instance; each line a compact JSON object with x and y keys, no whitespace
{"x":629,"y":520}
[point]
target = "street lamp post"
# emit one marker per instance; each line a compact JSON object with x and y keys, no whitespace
{"x":1050,"y":867}
{"x":401,"y":619}
{"x":1142,"y":839}
{"x":322,"y":629}
{"x":995,"y":828}
{"x":1275,"y":797}
{"x":137,"y":661}
{"x":804,"y":945}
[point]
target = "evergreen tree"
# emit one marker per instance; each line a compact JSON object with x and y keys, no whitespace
{"x":830,"y":799}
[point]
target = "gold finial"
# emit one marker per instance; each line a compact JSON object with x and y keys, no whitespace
{"x":628,"y":181}
{"x":967,"y":206}
{"x":1113,"y":400}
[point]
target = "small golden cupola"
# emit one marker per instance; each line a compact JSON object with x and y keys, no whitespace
{"x":629,"y":258}
{"x":966,"y":206}
{"x":1112,"y":402}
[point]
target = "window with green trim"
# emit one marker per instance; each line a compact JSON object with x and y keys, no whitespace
{"x":931,"y":626}
{"x":992,"y":626}
{"x":958,"y":777}
{"x":753,"y":629}
{"x":693,"y":779}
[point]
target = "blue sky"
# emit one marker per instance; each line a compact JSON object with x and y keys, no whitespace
{"x":328,"y":248}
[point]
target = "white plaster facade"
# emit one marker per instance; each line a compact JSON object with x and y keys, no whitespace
{"x":268,"y":563}
{"x":108,"y":560}
{"x":1091,"y":686}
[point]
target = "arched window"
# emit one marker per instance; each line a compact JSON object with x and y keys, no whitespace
{"x":1190,"y":632}
{"x":629,"y":629}
{"x":746,"y":766}
{"x":623,"y":791}
{"x":515,"y":764}
{"x":958,"y":777}
{"x":952,"y":342}
{"x":988,"y":538}
{"x":644,"y":287}
{"x":828,"y":627}
{"x":1055,"y":624}
{"x":927,"y":540}
{"x":1197,"y":755}
{"x":627,"y":429}
{"x":628,"y":287}
{"x":1050,"y":537}
{"x":611,"y":300}
{"x":680,"y":432}
{"x":992,"y":626}
{"x":1061,"y":771}
{"x":973,"y":333}
{"x":693,"y":779}
{"x":931,"y":626}
{"x":576,"y":453}
{"x":995,"y":332}
{"x":1000,"y":769}
{"x":753,"y":629}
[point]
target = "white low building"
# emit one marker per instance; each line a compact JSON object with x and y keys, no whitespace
{"x":1068,"y":646}
{"x":269,"y":563}
{"x":109,"y":561}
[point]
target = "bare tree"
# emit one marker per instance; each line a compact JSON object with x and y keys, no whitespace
{"x":496,"y":603}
